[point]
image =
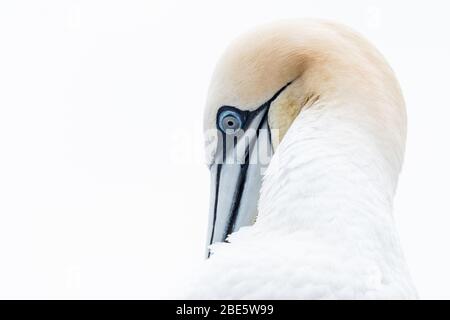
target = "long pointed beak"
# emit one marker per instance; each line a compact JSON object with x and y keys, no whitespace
{"x":236,"y":179}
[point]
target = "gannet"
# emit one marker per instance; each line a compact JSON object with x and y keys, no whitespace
{"x":305,"y":128}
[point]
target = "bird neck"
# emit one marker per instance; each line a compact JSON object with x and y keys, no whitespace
{"x":333,"y":175}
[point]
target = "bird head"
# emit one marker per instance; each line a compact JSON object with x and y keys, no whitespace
{"x":262,"y":82}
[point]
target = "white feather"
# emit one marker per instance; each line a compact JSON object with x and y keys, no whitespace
{"x":325,"y":228}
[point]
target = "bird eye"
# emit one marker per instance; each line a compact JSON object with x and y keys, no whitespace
{"x":230,"y":120}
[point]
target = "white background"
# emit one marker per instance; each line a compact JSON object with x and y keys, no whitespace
{"x":103,"y":191}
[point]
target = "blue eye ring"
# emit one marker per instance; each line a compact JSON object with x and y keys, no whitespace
{"x":230,"y":121}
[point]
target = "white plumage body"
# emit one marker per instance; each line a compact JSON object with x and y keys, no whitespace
{"x":318,"y":236}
